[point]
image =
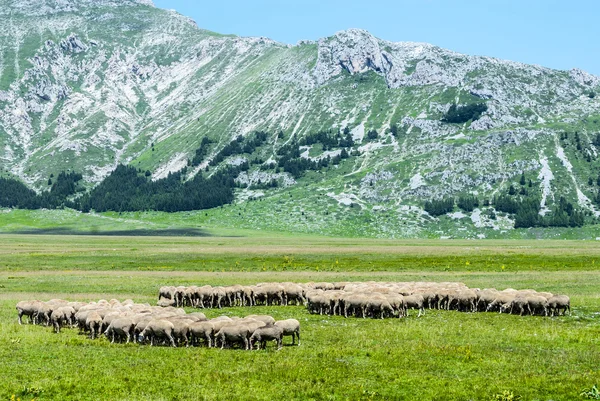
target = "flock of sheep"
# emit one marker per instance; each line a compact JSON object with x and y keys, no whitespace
{"x":370,"y":299}
{"x":169,"y":324}
{"x":379,"y":300}
{"x":127,"y":321}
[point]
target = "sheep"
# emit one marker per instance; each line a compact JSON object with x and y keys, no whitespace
{"x":275,"y":294}
{"x":261,"y":335}
{"x":234,"y":333}
{"x":397,"y":303}
{"x":501,"y":299}
{"x":218,"y":295}
{"x":484,"y":298}
{"x":203,"y":295}
{"x":60,"y":316}
{"x":557,"y":303}
{"x":189,"y":295}
{"x":27,"y":308}
{"x":120,"y":328}
{"x":141,"y":325}
{"x":202,"y":330}
{"x":518,"y":303}
{"x":43,"y":313}
{"x":356,"y":304}
{"x":294,"y":293}
{"x":537,"y":304}
{"x":181,"y":328}
{"x":318,"y":304}
{"x":166,"y":302}
{"x":290,"y":327}
{"x":466,"y":301}
{"x":167,"y":292}
{"x":158,"y":329}
{"x":415,"y":302}
{"x":248,"y":296}
{"x":379,"y":306}
{"x":93,"y":323}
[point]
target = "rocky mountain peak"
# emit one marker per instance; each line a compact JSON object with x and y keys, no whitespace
{"x":357,"y":51}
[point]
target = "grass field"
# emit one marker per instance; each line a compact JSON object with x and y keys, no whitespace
{"x":440,"y":356}
{"x":248,"y":219}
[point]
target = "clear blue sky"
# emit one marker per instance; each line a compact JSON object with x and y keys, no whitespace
{"x":554,"y":33}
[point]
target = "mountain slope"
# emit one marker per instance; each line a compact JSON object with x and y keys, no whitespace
{"x":86,"y":85}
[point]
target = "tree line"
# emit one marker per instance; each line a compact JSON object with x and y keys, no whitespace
{"x":15,"y":194}
{"x":460,"y":114}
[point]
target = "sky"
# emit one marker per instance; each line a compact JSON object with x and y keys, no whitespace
{"x":553,"y":33}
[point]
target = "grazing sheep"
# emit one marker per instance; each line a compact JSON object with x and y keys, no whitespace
{"x":290,"y":327}
{"x":557,"y":303}
{"x":42,"y":316}
{"x":318,"y":304}
{"x":263,"y":334}
{"x":140,"y":326}
{"x":430,"y":298}
{"x":466,"y":301}
{"x":294,"y":293}
{"x":499,"y":300}
{"x":484,"y":298}
{"x":537,"y":305}
{"x":517,"y":304}
{"x":27,"y":308}
{"x":355,"y":304}
{"x":93,"y":323}
{"x":234,"y":333}
{"x":61,"y":316}
{"x":158,"y":329}
{"x":203,"y":296}
{"x":201,"y":330}
{"x":181,"y":328}
{"x":275,"y":294}
{"x":167,"y":292}
{"x":120,"y":328}
{"x":397,"y":303}
{"x":248,"y":296}
{"x":189,"y":295}
{"x":217,"y":297}
{"x":415,"y":302}
{"x":379,"y":306}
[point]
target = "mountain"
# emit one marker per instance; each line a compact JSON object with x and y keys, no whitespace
{"x":87,"y":85}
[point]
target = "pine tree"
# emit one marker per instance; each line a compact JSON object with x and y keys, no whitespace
{"x":372,"y":135}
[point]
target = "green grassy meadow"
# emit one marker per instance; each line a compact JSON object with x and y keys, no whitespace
{"x":440,"y":356}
